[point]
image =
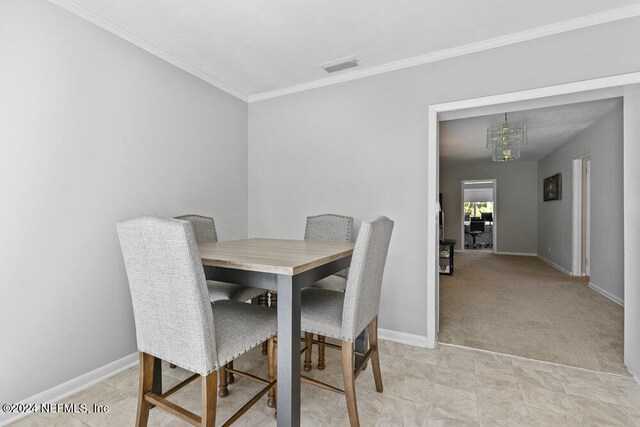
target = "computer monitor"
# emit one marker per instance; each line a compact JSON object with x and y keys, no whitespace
{"x":487,"y":216}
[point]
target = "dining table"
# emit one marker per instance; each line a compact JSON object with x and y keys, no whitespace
{"x":285,"y":267}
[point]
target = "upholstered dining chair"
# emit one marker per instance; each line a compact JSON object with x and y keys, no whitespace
{"x":336,"y":228}
{"x":176,"y":321}
{"x":204,"y":228}
{"x":333,"y":228}
{"x":344,"y":316}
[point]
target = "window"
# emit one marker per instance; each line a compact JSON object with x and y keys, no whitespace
{"x":476,"y":209}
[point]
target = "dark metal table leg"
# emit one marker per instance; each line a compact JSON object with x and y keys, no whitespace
{"x":288,"y":352}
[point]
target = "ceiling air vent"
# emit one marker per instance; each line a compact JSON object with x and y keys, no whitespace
{"x":340,"y":64}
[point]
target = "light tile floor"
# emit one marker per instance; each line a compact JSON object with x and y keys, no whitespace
{"x":446,"y":386}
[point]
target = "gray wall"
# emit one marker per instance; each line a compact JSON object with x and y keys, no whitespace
{"x":94,"y":130}
{"x":603,"y":140}
{"x":516,"y":203}
{"x":360,"y":147}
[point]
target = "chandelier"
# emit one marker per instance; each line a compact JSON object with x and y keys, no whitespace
{"x":505,"y":140}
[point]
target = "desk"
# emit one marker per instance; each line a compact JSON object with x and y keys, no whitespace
{"x":486,"y":223}
{"x":285,"y":266}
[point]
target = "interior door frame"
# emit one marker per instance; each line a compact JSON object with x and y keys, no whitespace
{"x":577,"y":231}
{"x":494,"y":234}
{"x":587,"y":231}
{"x":629,"y":84}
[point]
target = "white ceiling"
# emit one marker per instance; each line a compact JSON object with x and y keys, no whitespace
{"x":463,"y":141}
{"x":248,"y":47}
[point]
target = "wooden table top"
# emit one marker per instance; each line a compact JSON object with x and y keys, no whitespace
{"x":278,"y":256}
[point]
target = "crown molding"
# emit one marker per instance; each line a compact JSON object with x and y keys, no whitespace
{"x":105,"y":24}
{"x":509,"y":39}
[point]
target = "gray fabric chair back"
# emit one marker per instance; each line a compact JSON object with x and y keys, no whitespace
{"x":331,"y":227}
{"x":170,"y":298}
{"x":203,"y":227}
{"x":335,"y":228}
{"x":362,"y":296}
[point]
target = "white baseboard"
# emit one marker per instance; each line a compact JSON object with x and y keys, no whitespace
{"x":606,"y":294}
{"x":554,"y":265}
{"x":56,"y":393}
{"x":515,"y":253}
{"x":402,"y":338}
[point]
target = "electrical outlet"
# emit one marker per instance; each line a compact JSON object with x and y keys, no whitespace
{"x":549,"y":249}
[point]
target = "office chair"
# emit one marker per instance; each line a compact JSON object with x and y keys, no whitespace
{"x":476,"y":228}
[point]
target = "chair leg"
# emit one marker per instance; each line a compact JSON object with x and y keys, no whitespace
{"x":223,"y":390}
{"x":349,"y":382}
{"x":308,"y":342}
{"x":263,"y":300}
{"x":230,"y":378}
{"x":321,"y":364}
{"x":144,"y":387}
{"x":209,"y":384}
{"x":272,"y":369}
{"x":375,"y":355}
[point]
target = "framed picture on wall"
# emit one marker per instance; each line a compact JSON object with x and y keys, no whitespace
{"x":552,"y":188}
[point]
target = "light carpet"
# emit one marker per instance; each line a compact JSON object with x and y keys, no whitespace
{"x":521,"y":306}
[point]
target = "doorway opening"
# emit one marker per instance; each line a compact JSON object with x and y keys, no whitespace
{"x":482,"y":303}
{"x":626,"y":87}
{"x":479,"y":215}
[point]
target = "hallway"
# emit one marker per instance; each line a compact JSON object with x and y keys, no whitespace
{"x":521,"y":306}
